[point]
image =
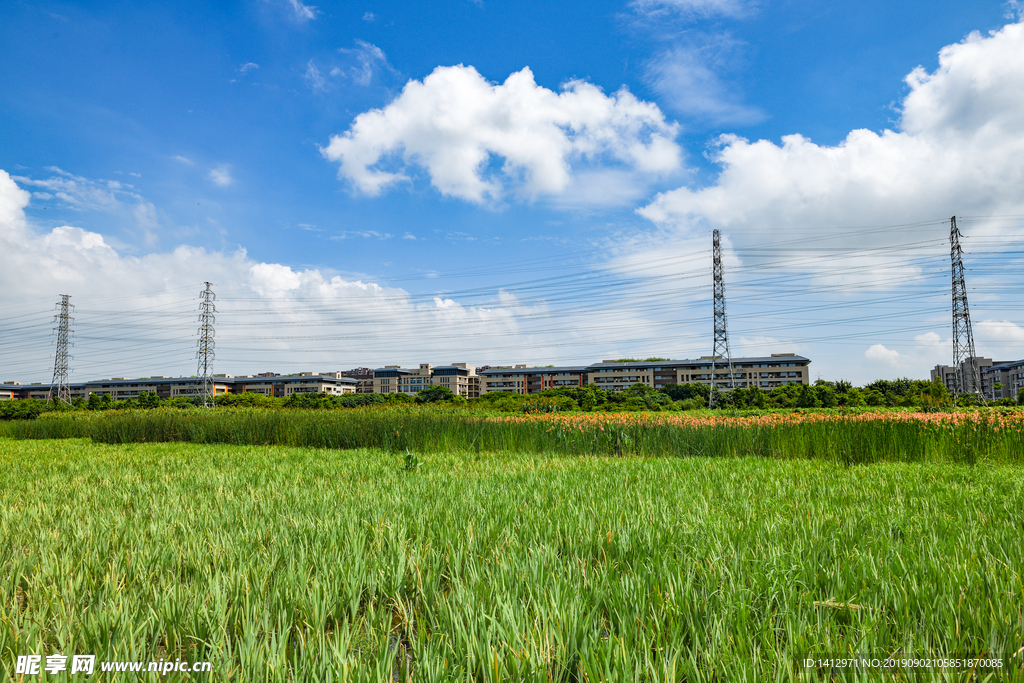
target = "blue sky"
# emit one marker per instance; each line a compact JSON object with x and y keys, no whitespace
{"x":506,"y":182}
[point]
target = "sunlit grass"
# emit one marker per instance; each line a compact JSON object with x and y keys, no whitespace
{"x":282,"y":563}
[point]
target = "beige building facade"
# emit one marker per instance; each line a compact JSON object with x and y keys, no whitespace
{"x":283,"y":386}
{"x":523,"y":379}
{"x":460,"y":378}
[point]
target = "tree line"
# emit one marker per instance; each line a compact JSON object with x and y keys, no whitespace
{"x":905,"y":392}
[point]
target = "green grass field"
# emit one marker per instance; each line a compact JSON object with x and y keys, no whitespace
{"x":292,"y":564}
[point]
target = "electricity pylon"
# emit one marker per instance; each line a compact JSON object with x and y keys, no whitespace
{"x":721,"y":349}
{"x":60,"y":389}
{"x":205,"y":353}
{"x":963,"y":337}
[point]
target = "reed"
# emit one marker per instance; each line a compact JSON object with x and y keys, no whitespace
{"x":962,"y":437}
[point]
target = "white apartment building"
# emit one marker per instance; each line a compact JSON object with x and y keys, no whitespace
{"x":765,"y":372}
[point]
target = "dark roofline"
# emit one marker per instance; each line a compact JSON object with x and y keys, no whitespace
{"x":294,"y":378}
{"x":700,"y":361}
{"x":216,"y":380}
{"x":566,"y":369}
{"x":775,"y":360}
{"x":1005,"y":364}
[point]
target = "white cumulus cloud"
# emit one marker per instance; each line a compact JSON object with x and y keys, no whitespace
{"x":957,"y":150}
{"x":478,"y":140}
{"x":1000,"y":333}
{"x":878,"y":352}
{"x":854,"y":236}
{"x":265,"y":319}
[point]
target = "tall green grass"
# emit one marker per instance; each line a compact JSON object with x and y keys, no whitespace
{"x":285,"y":564}
{"x":438,"y":431}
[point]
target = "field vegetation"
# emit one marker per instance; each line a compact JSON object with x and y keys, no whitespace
{"x":560,"y":537}
{"x":280,"y":563}
{"x":901,"y":393}
{"x":965,"y":437}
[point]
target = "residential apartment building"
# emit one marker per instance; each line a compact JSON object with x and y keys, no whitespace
{"x":283,"y":386}
{"x":364,"y":377}
{"x":766,"y":373}
{"x":947,"y":373}
{"x":461,"y":378}
{"x":1015,"y":377}
{"x":1003,"y":379}
{"x":124,"y":388}
{"x":522,"y":379}
{"x":394,"y":379}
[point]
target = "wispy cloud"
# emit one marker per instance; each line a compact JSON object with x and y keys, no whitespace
{"x":303,"y":12}
{"x":110,"y":197}
{"x":348,"y":234}
{"x":691,"y":9}
{"x":363,"y":65}
{"x":184,"y":160}
{"x":370,"y":60}
{"x":369,"y":16}
{"x":80,"y":193}
{"x":314,"y":79}
{"x":689,"y":68}
{"x":247,"y":67}
{"x":687,"y":78}
{"x":146,"y":219}
{"x":221,"y":175}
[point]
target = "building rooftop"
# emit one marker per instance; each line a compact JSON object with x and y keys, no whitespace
{"x":1005,"y":364}
{"x":521,"y":370}
{"x":773,"y":359}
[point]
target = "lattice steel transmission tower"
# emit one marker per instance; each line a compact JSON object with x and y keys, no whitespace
{"x":205,"y":353}
{"x":60,"y":389}
{"x":721,"y":349}
{"x":963,"y":337}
